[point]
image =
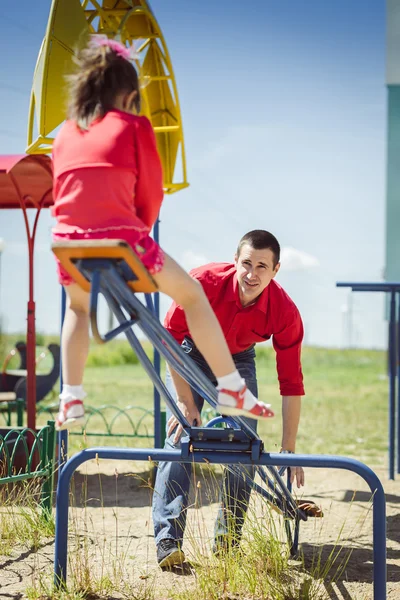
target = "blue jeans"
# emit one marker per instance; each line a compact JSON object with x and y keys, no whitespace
{"x":171,"y":491}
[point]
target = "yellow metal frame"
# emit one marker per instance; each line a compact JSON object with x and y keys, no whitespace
{"x":70,"y":22}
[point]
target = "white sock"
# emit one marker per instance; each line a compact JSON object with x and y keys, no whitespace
{"x":232,"y":382}
{"x":72,"y":392}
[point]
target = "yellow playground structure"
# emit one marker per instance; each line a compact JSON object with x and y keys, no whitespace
{"x":129,"y":21}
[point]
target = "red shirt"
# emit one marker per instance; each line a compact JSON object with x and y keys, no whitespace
{"x":108,"y":176}
{"x":274,"y":315}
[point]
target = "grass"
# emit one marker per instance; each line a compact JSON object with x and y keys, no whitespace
{"x":344,"y":412}
{"x":345,"y":407}
{"x":21,"y":520}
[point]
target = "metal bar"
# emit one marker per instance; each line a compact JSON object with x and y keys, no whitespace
{"x":379,"y":286}
{"x":51,"y":450}
{"x":276,"y":500}
{"x":62,"y":436}
{"x":394,"y":369}
{"x":288,"y":460}
{"x":165,"y":128}
{"x":30,"y":332}
{"x":397,"y":362}
{"x":149,"y":302}
{"x":158,"y":433}
{"x":159,"y":78}
{"x":94,"y":296}
{"x":44,"y":464}
{"x":392,"y":383}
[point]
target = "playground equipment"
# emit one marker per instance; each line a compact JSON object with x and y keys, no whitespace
{"x":15,"y":380}
{"x":393,"y":289}
{"x":110,"y":267}
{"x":26,"y":183}
{"x":130,"y":21}
{"x":18,"y":350}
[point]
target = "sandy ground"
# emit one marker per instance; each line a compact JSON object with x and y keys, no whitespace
{"x":115,"y":532}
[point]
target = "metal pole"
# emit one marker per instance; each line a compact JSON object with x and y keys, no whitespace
{"x":62,"y":436}
{"x":393,"y":357}
{"x":157,"y":361}
{"x":392,"y":382}
{"x":397,"y":364}
{"x":2,"y":246}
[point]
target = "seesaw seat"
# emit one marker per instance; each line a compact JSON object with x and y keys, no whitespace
{"x":69,"y":253}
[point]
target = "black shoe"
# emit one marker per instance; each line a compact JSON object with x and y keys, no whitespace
{"x":169,"y":554}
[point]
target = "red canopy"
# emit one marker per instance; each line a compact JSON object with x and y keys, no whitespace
{"x":29,"y":176}
{"x":26,"y":181}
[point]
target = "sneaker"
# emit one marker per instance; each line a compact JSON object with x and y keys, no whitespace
{"x":242,"y":403}
{"x":169,"y":554}
{"x":71,"y":414}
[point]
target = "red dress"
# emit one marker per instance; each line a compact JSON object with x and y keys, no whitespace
{"x":108,"y":184}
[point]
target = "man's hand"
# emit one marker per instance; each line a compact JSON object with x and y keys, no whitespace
{"x":297,"y":473}
{"x":190,"y":412}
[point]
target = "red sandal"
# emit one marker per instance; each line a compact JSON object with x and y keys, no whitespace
{"x":71,"y":414}
{"x":259,"y":410}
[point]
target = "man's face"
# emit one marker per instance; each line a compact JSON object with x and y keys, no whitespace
{"x":255,"y":269}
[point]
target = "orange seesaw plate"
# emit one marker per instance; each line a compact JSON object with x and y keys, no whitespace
{"x":68,"y":253}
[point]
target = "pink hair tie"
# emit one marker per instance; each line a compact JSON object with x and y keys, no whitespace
{"x":122,"y":51}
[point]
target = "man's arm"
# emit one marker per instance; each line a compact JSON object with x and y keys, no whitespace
{"x":287,"y":344}
{"x":183,"y":389}
{"x":291,"y":407}
{"x":186,"y":404}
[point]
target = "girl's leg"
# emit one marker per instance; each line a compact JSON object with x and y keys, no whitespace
{"x":74,"y":353}
{"x":204,"y":327}
{"x":75,"y":335}
{"x":202,"y":322}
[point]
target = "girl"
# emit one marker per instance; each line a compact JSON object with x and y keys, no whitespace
{"x":108,"y":184}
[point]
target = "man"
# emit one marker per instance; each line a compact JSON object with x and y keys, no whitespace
{"x":251,"y":307}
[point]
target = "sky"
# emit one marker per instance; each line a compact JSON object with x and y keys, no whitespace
{"x":284,"y":115}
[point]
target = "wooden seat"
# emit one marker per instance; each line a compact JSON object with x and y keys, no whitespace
{"x":68,"y":253}
{"x":17,"y":372}
{"x":7,"y":396}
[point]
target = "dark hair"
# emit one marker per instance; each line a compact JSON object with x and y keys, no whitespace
{"x":102,"y":74}
{"x":260,"y":240}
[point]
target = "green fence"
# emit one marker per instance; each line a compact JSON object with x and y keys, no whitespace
{"x":7,"y":409}
{"x":26,"y":455}
{"x":110,"y":421}
{"x":113,"y":421}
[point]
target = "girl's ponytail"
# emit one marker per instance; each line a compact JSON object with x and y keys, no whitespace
{"x":103,"y":71}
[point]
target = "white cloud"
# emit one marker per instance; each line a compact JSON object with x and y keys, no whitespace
{"x":190,"y":260}
{"x":297,"y":260}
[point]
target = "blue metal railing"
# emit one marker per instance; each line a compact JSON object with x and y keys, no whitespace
{"x":224,"y":456}
{"x":393,"y":289}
